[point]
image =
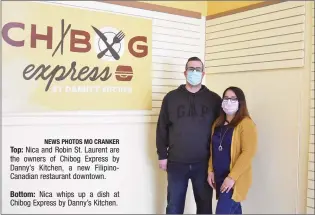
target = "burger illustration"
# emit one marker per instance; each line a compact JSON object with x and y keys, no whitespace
{"x":124,"y":73}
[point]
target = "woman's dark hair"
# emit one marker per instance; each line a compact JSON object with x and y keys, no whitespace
{"x":242,"y":108}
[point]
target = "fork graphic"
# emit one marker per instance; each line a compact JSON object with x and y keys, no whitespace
{"x":118,"y":37}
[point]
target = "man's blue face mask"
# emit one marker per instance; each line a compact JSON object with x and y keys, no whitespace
{"x":194,"y":76}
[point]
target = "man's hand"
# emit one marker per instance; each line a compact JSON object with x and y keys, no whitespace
{"x":211,"y":180}
{"x":163,"y":164}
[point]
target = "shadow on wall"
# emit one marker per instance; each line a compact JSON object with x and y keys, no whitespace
{"x":159,"y":176}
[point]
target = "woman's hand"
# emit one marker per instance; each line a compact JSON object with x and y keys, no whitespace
{"x":211,"y":180}
{"x":227,"y":185}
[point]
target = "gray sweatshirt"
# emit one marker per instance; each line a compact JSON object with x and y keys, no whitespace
{"x":183,"y":131}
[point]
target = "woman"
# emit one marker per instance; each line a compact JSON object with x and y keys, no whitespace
{"x":234,"y":143}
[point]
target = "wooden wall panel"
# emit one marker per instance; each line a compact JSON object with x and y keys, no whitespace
{"x":310,"y":190}
{"x":266,"y":38}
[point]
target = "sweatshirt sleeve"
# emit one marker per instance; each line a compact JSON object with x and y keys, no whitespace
{"x":217,"y":107}
{"x":162,"y":131}
{"x":248,"y":138}
{"x":210,"y":163}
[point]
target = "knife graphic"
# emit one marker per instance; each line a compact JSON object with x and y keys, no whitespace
{"x":104,"y":38}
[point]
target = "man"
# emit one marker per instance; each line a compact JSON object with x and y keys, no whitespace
{"x":183,"y":137}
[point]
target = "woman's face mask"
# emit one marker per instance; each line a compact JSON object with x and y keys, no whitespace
{"x":230,"y":105}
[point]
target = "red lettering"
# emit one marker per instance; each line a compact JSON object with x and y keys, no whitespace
{"x":5,"y":33}
{"x":85,"y":41}
{"x":79,"y":39}
{"x":142,"y":49}
{"x":35,"y":36}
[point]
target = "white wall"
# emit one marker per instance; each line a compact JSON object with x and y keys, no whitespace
{"x":263,"y":52}
{"x":175,"y":39}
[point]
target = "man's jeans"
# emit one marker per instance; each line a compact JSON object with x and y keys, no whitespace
{"x":178,"y":175}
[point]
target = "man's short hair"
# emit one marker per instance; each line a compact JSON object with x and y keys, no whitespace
{"x":194,"y":59}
